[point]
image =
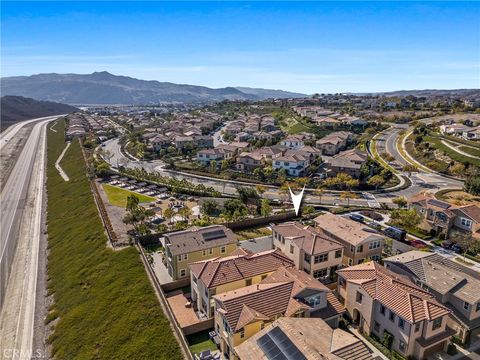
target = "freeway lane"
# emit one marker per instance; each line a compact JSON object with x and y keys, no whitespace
{"x":21,"y":229}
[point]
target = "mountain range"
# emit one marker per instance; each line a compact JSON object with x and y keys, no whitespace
{"x":18,"y":108}
{"x":105,"y":88}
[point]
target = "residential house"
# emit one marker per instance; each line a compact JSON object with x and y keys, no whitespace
{"x":241,"y":268}
{"x":293,"y":164}
{"x":334,"y":142}
{"x":302,"y":339}
{"x":454,"y":129}
{"x":472,"y":134}
{"x":361,"y":243}
{"x":288,"y":292}
{"x":159,"y":142}
{"x":309,"y":152}
{"x":453,"y":285}
{"x":205,"y":156}
{"x":293,"y":142}
{"x":327,"y":122}
{"x":195,"y":244}
{"x":441,"y":217}
{"x":315,"y":253}
{"x":242,"y":136}
{"x":248,"y":161}
{"x":269,"y":153}
{"x":349,"y":162}
{"x":390,"y":306}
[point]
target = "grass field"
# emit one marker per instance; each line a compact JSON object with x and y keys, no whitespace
{"x":450,"y":152}
{"x":118,"y":197}
{"x":106,"y":306}
{"x":200,"y":342}
{"x":253,"y":233}
{"x":470,"y":150}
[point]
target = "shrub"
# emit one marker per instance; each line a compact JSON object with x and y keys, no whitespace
{"x":451,"y":349}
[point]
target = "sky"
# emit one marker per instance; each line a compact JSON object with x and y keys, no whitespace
{"x":308,"y":47}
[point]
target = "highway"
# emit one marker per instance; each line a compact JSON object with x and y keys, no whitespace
{"x":21,"y":224}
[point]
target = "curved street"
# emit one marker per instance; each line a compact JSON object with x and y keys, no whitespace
{"x":421,"y":181}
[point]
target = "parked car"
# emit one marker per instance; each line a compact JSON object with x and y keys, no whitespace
{"x":356,"y":217}
{"x":395,"y":233}
{"x":457,"y":249}
{"x":375,"y":225}
{"x":447,"y":244}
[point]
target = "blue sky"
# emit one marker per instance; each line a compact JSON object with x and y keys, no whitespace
{"x":307,"y":47}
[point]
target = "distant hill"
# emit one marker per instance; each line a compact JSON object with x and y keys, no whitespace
{"x":267,"y":93}
{"x":105,"y":88}
{"x":18,"y":108}
{"x":430,"y":93}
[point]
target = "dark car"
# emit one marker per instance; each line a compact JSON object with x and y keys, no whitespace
{"x":356,"y":217}
{"x":457,"y":249}
{"x":447,"y":244}
{"x":375,"y":225}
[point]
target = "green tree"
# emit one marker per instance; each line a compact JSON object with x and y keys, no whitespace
{"x":409,"y":168}
{"x":472,"y":184}
{"x":213,"y":166}
{"x":347,"y":195}
{"x":376,"y":181}
{"x":234,"y":209}
{"x":401,"y":201}
{"x":185,"y":213}
{"x":169,"y":214}
{"x":405,"y":218}
{"x":265,"y":208}
{"x":209,"y":207}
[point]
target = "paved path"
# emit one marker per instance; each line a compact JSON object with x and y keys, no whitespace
{"x":456,"y":149}
{"x":57,"y":163}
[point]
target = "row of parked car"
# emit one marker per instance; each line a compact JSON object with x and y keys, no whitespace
{"x":138,"y":186}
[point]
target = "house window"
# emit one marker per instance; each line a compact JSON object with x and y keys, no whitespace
{"x":338,"y":254}
{"x":376,"y":327}
{"x":223,"y":249}
{"x":248,"y":282}
{"x":183,"y":273}
{"x":204,"y":253}
{"x":317,"y":274}
{"x":350,"y":262}
{"x":360,"y":248}
{"x":374,"y":245}
{"x":185,"y":257}
{"x":359,"y":261}
{"x":291,"y":249}
{"x":466,"y":222}
{"x":320,"y":258}
{"x":376,"y":258}
{"x":466,"y":305}
{"x":352,"y":248}
{"x":359,"y":297}
{"x":391,"y":316}
{"x":307,"y":258}
{"x":401,"y":346}
{"x":437,"y":323}
{"x":242,"y":333}
{"x":210,"y":251}
{"x":382,"y":310}
{"x":417,"y":327}
{"x":401,"y":323}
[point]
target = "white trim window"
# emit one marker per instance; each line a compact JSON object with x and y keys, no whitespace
{"x":374,"y":245}
{"x":183,"y":272}
{"x":466,"y":222}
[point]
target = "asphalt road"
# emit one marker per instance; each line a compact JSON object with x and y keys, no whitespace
{"x":21,"y":228}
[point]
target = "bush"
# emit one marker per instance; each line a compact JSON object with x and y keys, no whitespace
{"x":451,"y":349}
{"x":472,"y":184}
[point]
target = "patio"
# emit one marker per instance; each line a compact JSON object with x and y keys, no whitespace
{"x":182,"y":308}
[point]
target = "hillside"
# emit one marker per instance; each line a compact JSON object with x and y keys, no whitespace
{"x":18,"y":108}
{"x":105,"y":88}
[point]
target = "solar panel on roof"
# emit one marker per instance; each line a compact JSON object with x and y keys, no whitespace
{"x":277,"y":346}
{"x":211,"y":235}
{"x":438,"y":203}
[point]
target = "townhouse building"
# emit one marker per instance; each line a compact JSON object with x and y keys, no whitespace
{"x":361,"y":243}
{"x":294,"y":164}
{"x":288,"y":292}
{"x":452,"y":284}
{"x":303,"y":339}
{"x":349,"y":162}
{"x":333,"y":143}
{"x":441,"y":217}
{"x":315,"y":253}
{"x":385,"y":305}
{"x":239,"y":269}
{"x":195,"y":244}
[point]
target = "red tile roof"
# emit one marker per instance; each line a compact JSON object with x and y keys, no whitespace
{"x":395,"y":292}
